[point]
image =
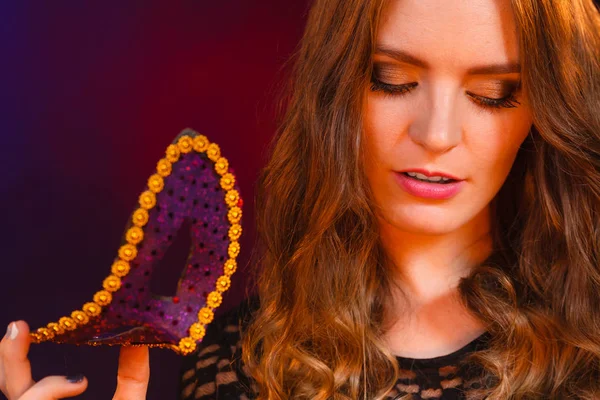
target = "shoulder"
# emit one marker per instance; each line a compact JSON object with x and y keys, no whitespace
{"x":215,"y":370}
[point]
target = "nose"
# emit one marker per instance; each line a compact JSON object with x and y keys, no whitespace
{"x":436,"y":129}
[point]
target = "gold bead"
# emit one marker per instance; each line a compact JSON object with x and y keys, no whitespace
{"x":234,"y":215}
{"x":197,"y":331}
{"x":67,"y":323}
{"x":213,"y":152}
{"x":112,"y":283}
{"x":223,"y":283}
{"x":234,"y":249}
{"x":56,"y":328}
{"x":140,"y":217}
{"x":214,"y":299}
{"x":205,"y":315}
{"x":201,"y":143}
{"x":232,"y":197}
{"x":103,"y":297}
{"x":120,"y":268}
{"x":92,"y":309}
{"x":134,"y":235}
{"x":227,"y":181}
{"x":164,"y":168}
{"x":229,"y":267}
{"x":156,"y":183}
{"x":35,"y":337}
{"x":45,"y":333}
{"x":221,"y":165}
{"x":185,"y":144}
{"x":235,"y":231}
{"x":172,"y":153}
{"x":187,"y":345}
{"x":128,"y":252}
{"x":80,"y":317}
{"x":147,"y":200}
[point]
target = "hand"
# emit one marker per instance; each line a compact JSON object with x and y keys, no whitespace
{"x":15,"y":372}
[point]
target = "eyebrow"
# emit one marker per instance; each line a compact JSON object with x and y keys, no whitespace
{"x":492,"y":69}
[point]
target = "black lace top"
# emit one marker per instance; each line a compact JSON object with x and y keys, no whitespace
{"x":215,"y":370}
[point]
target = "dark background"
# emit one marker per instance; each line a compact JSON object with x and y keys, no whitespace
{"x":91,"y":95}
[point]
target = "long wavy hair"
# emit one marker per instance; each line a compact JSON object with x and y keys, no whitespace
{"x":323,"y":278}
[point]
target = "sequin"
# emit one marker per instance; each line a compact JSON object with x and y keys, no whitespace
{"x":234,"y":215}
{"x":187,"y":345}
{"x":205,"y":315}
{"x":214,"y":299}
{"x":227,"y":181}
{"x":112,"y":283}
{"x":120,"y":268}
{"x":103,"y":297}
{"x":80,"y":317}
{"x":213,"y":152}
{"x":223,"y":283}
{"x":140,"y":217}
{"x":156,"y":183}
{"x":232,"y":197}
{"x":221,"y":165}
{"x":185,"y":144}
{"x":67,"y":323}
{"x":201,"y":143}
{"x":147,"y":200}
{"x":92,"y":309}
{"x":164,"y":167}
{"x":134,"y":236}
{"x":128,"y":252}
{"x":172,"y":153}
{"x":197,"y":331}
{"x":229,"y":267}
{"x":56,"y":328}
{"x":233,"y":250}
{"x":235,"y":231}
{"x":45,"y":333}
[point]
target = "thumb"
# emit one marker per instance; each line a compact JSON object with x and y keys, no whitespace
{"x":133,"y":374}
{"x":17,"y":369}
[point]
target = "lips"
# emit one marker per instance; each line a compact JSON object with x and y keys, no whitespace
{"x":429,"y":190}
{"x":429,"y":174}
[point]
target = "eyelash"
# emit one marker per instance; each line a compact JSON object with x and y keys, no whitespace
{"x":483,"y":102}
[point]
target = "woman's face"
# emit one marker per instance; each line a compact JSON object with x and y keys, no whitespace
{"x":436,"y":66}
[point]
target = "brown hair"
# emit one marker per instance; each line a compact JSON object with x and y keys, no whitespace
{"x":323,"y":278}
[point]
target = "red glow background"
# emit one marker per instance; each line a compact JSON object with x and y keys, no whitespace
{"x":92,"y":93}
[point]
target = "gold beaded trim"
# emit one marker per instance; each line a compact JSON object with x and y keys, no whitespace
{"x":135,"y":235}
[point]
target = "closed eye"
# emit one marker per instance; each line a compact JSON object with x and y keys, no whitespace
{"x":488,"y":103}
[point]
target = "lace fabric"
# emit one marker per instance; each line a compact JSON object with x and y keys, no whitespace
{"x":215,"y":370}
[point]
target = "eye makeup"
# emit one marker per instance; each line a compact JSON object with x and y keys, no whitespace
{"x":507,"y":89}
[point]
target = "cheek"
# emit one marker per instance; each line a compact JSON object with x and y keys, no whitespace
{"x":493,"y":150}
{"x":383,"y":124}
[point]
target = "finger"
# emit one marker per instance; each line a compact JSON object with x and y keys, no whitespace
{"x":17,"y":369}
{"x":56,"y":387}
{"x":2,"y":375}
{"x":133,"y":374}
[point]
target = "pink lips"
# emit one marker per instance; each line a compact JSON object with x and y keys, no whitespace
{"x":438,"y":191}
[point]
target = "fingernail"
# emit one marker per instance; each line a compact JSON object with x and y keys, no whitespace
{"x":14,"y":331}
{"x":75,"y":378}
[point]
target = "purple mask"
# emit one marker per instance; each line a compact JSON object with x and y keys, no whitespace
{"x":192,"y":184}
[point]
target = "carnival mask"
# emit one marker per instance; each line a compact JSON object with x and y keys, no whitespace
{"x":192,"y":184}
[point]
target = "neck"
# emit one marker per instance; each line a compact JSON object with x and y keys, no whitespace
{"x":428,"y":267}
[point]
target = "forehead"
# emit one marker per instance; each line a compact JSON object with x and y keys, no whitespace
{"x":451,"y":33}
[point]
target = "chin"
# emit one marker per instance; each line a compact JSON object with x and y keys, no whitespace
{"x":424,"y":220}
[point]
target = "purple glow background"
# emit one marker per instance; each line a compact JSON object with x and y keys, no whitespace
{"x":91,"y":96}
